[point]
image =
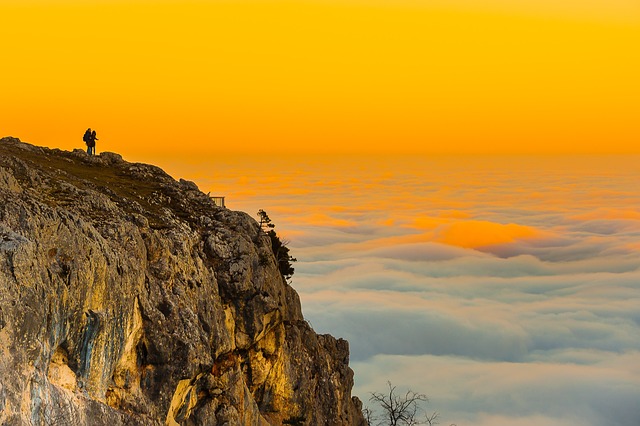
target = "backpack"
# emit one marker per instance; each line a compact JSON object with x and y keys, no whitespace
{"x":87,"y":136}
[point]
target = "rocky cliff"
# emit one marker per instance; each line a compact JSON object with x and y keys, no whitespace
{"x":128,"y":298}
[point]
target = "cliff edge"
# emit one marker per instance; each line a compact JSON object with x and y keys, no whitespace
{"x":129,"y":298}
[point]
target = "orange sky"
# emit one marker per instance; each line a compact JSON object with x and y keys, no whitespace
{"x":191,"y":78}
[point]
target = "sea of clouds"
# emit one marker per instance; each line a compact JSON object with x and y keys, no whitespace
{"x":506,"y":289}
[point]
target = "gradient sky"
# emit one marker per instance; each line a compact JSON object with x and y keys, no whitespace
{"x":505,"y":288}
{"x":185,"y":78}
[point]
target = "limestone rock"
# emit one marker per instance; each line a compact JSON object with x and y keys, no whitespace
{"x":127,"y":297}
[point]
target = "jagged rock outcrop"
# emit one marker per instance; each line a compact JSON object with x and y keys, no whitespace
{"x":128,"y":298}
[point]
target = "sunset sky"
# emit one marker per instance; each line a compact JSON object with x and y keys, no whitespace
{"x":182,"y":79}
{"x":506,"y":287}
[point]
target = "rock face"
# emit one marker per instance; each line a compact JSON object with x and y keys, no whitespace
{"x":128,"y":298}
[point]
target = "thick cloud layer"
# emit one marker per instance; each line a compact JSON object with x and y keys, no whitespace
{"x":506,"y":289}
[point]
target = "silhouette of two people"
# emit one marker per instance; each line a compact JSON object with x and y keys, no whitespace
{"x":90,"y":139}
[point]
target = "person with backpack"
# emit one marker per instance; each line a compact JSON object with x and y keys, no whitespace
{"x":87,"y":138}
{"x":90,"y":139}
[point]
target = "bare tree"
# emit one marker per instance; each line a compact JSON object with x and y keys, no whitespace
{"x":400,"y":409}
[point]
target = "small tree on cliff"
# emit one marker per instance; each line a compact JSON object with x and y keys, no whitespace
{"x":399,"y":410}
{"x":279,"y":247}
{"x":265,"y":221}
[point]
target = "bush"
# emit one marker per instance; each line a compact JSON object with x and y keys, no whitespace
{"x":278,"y":246}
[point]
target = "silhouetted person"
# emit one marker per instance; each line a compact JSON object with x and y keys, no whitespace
{"x":87,"y":139}
{"x":92,"y":142}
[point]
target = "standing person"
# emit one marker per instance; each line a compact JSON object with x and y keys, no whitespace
{"x":92,"y":142}
{"x":87,"y":139}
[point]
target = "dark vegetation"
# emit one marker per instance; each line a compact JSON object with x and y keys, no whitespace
{"x":278,"y":246}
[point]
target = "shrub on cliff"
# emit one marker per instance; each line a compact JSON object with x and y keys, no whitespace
{"x":278,"y":246}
